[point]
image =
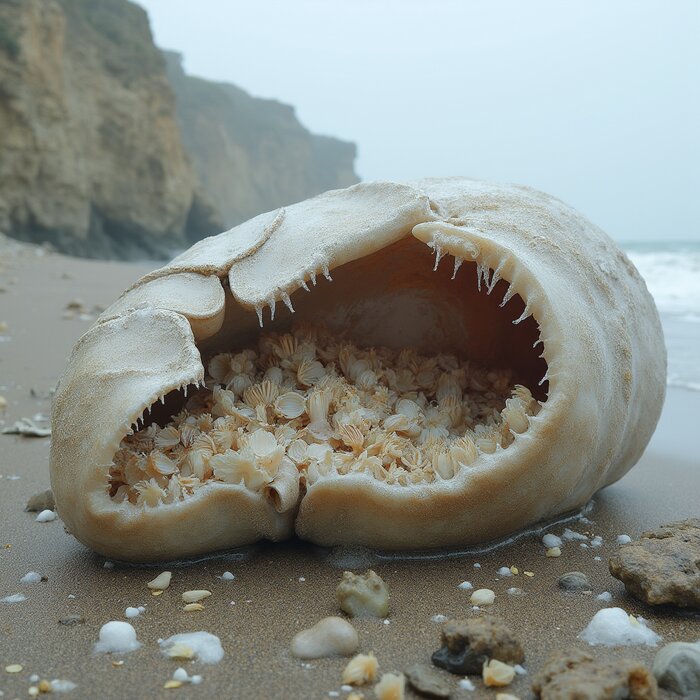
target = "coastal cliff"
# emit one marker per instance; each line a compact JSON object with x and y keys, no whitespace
{"x":99,"y":158}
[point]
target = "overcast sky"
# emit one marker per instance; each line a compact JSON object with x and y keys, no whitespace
{"x":594,"y":101}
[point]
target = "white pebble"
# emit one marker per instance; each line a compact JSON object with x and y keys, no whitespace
{"x":116,"y":636}
{"x":16,"y":598}
{"x":195,"y":596}
{"x":597,"y":541}
{"x":59,"y":685}
{"x":482,"y":596}
{"x":333,"y":694}
{"x":161,"y":582}
{"x":505,"y":571}
{"x":132,"y":612}
{"x":180,"y":675}
{"x":346,"y":688}
{"x":465,"y":585}
{"x":46,"y":516}
{"x":196,"y":679}
{"x":387,"y":622}
{"x":605,"y":596}
{"x":439,"y":618}
{"x":301,"y":580}
{"x":34,"y":678}
{"x":227,"y":576}
{"x":520,"y":670}
{"x":550,"y":540}
{"x":477,"y":566}
{"x":613,"y":627}
{"x":583,"y":545}
{"x":623,"y":539}
{"x":204,"y":646}
{"x":332,"y":636}
{"x":466,"y":684}
{"x":571,"y":535}
{"x":31,"y":577}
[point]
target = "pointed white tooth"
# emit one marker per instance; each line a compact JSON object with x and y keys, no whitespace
{"x":258,"y":311}
{"x":162,"y":400}
{"x":273,"y":303}
{"x":312,"y":277}
{"x":287,"y":301}
{"x":508,"y":295}
{"x":481,"y":272}
{"x":326,"y":273}
{"x":544,"y":379}
{"x":495,"y":277}
{"x":537,"y":342}
{"x":304,"y":286}
{"x":525,"y":314}
{"x":438,"y":255}
{"x":185,"y":390}
{"x":458,"y":264}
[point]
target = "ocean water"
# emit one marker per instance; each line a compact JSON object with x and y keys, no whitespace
{"x":672,"y":274}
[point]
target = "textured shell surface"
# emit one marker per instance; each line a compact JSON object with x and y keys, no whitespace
{"x":488,"y":359}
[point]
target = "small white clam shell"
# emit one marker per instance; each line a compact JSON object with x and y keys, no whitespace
{"x":290,"y":405}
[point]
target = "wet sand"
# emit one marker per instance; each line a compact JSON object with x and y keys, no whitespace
{"x":278,"y":589}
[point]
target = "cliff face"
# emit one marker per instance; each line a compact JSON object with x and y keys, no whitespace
{"x":94,"y":149}
{"x":91,"y":157}
{"x":252,"y":155}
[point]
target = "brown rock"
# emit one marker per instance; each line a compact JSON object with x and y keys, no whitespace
{"x":577,"y":676}
{"x":466,"y":644}
{"x":663,"y":566}
{"x":427,"y":681}
{"x":43,"y":500}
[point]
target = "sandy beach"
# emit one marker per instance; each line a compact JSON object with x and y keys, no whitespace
{"x":279,"y":590}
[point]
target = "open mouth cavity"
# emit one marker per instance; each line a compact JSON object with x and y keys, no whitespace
{"x":408,"y":374}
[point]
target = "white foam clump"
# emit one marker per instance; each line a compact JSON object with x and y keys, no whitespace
{"x":571,"y":535}
{"x":465,"y":585}
{"x":505,"y":571}
{"x":613,"y":627}
{"x":439,"y":618}
{"x":466,"y":684}
{"x":205,"y":646}
{"x":46,"y":516}
{"x":550,"y":540}
{"x":597,"y":541}
{"x":604,"y":596}
{"x":623,"y":539}
{"x":31,"y":577}
{"x":16,"y":598}
{"x":134,"y":612}
{"x":116,"y":636}
{"x":226,"y":576}
{"x":60,"y":685}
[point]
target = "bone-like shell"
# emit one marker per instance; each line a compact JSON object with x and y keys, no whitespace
{"x":600,"y":330}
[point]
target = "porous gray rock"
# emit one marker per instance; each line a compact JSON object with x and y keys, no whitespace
{"x":467,"y":644}
{"x":427,"y":681}
{"x":663,"y":566}
{"x":576,"y":675}
{"x":575,"y":581}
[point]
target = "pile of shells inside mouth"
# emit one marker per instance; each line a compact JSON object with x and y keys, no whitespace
{"x":323,"y":407}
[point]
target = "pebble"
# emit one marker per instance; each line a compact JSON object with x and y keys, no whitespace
{"x":116,"y":636}
{"x":575,"y":581}
{"x":195,"y":596}
{"x":605,"y":596}
{"x":623,"y":539}
{"x":505,"y":571}
{"x":467,"y":644}
{"x":70,"y":620}
{"x":331,"y":636}
{"x":506,"y":696}
{"x":46,"y":516}
{"x":613,"y":627}
{"x":477,"y":565}
{"x":363,"y":596}
{"x":180,"y":674}
{"x":550,"y":541}
{"x":134,"y":612}
{"x":482,"y":596}
{"x":32,"y":577}
{"x":60,"y":685}
{"x":497,"y":674}
{"x":427,"y":681}
{"x":14,"y":668}
{"x":597,"y":541}
{"x":677,"y":668}
{"x":465,"y":585}
{"x":161,"y":582}
{"x":227,"y":576}
{"x":553,"y":552}
{"x":43,"y":500}
{"x":466,"y":684}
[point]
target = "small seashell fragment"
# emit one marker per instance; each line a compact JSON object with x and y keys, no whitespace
{"x":14,"y":668}
{"x":193,"y":607}
{"x":46,"y":516}
{"x":331,"y":636}
{"x":169,"y":685}
{"x":497,"y":674}
{"x":290,"y":405}
{"x":161,"y":582}
{"x":195,"y":596}
{"x":482,"y":596}
{"x":391,"y":687}
{"x":506,"y":696}
{"x":361,"y":669}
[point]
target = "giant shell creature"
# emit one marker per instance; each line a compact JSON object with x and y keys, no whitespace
{"x":402,"y":366}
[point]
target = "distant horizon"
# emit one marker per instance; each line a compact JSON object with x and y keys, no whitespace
{"x":593,"y":103}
